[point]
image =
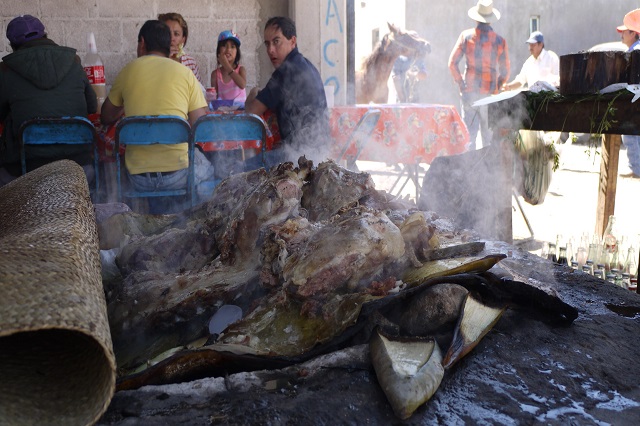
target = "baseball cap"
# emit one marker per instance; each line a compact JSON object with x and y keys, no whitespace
{"x":621,"y":28}
{"x":536,"y":37}
{"x":228,"y":35}
{"x":24,"y":28}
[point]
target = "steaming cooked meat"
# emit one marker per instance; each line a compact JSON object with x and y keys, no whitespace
{"x":332,"y":187}
{"x":272,"y":199}
{"x":349,"y":251}
{"x":256,"y":222}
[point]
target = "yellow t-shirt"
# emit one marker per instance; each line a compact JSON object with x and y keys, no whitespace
{"x":155,"y":85}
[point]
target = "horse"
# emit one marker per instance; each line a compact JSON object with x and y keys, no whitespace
{"x":372,"y":78}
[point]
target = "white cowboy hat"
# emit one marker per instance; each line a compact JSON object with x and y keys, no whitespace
{"x":484,"y":12}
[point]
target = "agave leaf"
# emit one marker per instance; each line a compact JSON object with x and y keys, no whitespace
{"x":444,"y":267}
{"x":474,"y":323}
{"x":279,"y":329}
{"x":409,"y":371}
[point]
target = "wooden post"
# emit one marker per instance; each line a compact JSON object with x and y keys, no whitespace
{"x":504,"y":216}
{"x":608,"y":180}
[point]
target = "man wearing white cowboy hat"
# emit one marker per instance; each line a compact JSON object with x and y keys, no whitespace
{"x":486,"y":69}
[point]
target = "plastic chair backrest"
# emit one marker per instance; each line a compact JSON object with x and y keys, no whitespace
{"x":221,"y":128}
{"x":361,"y":133}
{"x":230,"y":127}
{"x":153,"y":130}
{"x":59,"y":130}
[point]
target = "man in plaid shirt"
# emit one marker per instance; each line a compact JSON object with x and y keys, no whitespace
{"x":486,"y":69}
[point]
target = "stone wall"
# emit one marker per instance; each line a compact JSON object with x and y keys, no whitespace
{"x":116,"y":23}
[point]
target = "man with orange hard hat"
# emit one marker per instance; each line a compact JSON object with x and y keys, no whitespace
{"x":630,"y":35}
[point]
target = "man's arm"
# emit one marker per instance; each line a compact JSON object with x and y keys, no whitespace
{"x":195,"y":114}
{"x":505,"y":65}
{"x":110,"y":113}
{"x":454,"y":60}
{"x":252,"y":105}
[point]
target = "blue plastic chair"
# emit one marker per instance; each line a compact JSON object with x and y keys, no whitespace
{"x":361,"y":134}
{"x":60,"y":130}
{"x":224,"y":129}
{"x":152,"y":130}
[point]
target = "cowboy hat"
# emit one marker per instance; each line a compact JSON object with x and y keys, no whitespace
{"x":484,"y":12}
{"x":632,"y":20}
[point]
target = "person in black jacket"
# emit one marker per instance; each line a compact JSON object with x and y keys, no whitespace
{"x":40,"y":79}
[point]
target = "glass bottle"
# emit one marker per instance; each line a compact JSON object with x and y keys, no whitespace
{"x":594,"y":252}
{"x":611,"y":278}
{"x":569,"y":248}
{"x":631,"y":263}
{"x":591,"y":267}
{"x":610,"y":240}
{"x":581,"y":256}
{"x":574,"y":265}
{"x":544,"y":252}
{"x":552,"y":255}
{"x":599,"y":273}
{"x":562,"y":256}
{"x":626,"y":281}
{"x":587,"y":269}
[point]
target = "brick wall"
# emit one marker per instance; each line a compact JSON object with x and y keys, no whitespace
{"x":116,"y":23}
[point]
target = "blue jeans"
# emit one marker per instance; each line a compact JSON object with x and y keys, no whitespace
{"x":476,"y":118}
{"x":155,"y":181}
{"x":632,"y":143}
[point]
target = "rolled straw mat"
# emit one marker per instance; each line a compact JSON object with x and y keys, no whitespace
{"x":56,"y":357}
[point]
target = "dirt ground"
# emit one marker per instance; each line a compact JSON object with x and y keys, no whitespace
{"x":569,"y":208}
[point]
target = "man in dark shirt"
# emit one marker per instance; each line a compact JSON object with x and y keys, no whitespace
{"x":40,"y":79}
{"x":295,"y":93}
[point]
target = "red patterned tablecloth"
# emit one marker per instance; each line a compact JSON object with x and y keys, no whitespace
{"x":406,"y":133}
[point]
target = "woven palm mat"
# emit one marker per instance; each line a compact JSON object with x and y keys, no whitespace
{"x":56,"y":357}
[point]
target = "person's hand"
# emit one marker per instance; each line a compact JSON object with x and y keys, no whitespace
{"x":224,"y":63}
{"x":175,"y":52}
{"x":252,"y":93}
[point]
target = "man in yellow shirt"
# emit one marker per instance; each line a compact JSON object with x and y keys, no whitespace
{"x":153,"y":84}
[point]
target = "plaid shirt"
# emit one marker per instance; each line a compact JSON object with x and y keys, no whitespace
{"x":191,"y":63}
{"x":487,"y":60}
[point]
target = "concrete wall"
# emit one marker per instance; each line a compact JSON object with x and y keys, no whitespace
{"x":569,"y":26}
{"x":322,"y":37}
{"x":116,"y":24}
